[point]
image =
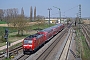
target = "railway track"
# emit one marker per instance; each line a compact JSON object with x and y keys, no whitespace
{"x":21,"y":57}
{"x":11,"y":52}
{"x":88,"y":28}
{"x":86,"y":34}
{"x":64,"y":54}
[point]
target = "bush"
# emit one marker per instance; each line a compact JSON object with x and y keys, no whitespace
{"x":2,"y":39}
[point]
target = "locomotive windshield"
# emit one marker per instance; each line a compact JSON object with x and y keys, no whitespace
{"x":27,"y":41}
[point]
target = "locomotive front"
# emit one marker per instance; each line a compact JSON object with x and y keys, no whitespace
{"x":28,"y":45}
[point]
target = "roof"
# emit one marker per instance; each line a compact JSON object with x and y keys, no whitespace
{"x":35,"y":35}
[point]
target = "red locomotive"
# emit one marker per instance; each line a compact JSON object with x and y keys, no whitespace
{"x":33,"y":42}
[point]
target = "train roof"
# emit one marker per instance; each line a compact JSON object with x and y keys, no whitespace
{"x":56,"y":25}
{"x":37,"y":35}
{"x":50,"y":28}
{"x":59,"y":24}
{"x":47,"y":30}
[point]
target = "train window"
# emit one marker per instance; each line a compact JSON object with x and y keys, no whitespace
{"x":39,"y":36}
{"x":27,"y":41}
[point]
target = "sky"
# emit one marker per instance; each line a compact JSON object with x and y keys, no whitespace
{"x":68,"y":8}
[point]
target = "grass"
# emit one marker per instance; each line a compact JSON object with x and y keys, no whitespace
{"x":2,"y":44}
{"x":78,"y":43}
{"x":3,"y":22}
{"x":7,"y":59}
{"x":11,"y":29}
{"x":85,"y":53}
{"x":86,"y":50}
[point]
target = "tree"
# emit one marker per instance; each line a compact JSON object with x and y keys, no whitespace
{"x":40,"y":20}
{"x":21,"y":24}
{"x":16,"y":20}
{"x":15,"y":14}
{"x":22,"y":12}
{"x":12,"y":16}
{"x":7,"y":15}
{"x":22,"y":21}
{"x":1,"y":14}
{"x":34,"y":13}
{"x":31,"y":13}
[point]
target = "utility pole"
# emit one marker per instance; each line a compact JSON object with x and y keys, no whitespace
{"x":49,"y":14}
{"x":60,"y":15}
{"x":79,"y":28}
{"x":59,"y":12}
{"x":79,"y":13}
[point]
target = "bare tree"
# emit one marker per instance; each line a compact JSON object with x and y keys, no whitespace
{"x":31,"y":13}
{"x":40,"y":20}
{"x":1,"y":14}
{"x":16,"y":20}
{"x":21,"y":24}
{"x":23,"y":21}
{"x":15,"y":14}
{"x":34,"y":13}
{"x":22,"y":12}
{"x":10,"y":16}
{"x":7,"y":15}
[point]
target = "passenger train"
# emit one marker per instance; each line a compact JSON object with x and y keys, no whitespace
{"x":33,"y":42}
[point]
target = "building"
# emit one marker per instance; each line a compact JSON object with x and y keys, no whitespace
{"x":56,"y":21}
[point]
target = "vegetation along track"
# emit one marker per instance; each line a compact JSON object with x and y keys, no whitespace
{"x":86,"y":34}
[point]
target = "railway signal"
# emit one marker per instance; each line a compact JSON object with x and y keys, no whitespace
{"x":6,"y":38}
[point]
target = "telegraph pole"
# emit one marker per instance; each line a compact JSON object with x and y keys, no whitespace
{"x":49,"y":14}
{"x":60,"y":15}
{"x":79,"y":27}
{"x":79,"y":13}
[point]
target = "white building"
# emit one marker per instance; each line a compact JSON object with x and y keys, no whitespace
{"x":56,"y":20}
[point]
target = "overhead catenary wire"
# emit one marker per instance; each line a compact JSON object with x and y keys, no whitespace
{"x":66,"y":10}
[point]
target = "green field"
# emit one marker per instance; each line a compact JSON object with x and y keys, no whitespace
{"x":2,"y":22}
